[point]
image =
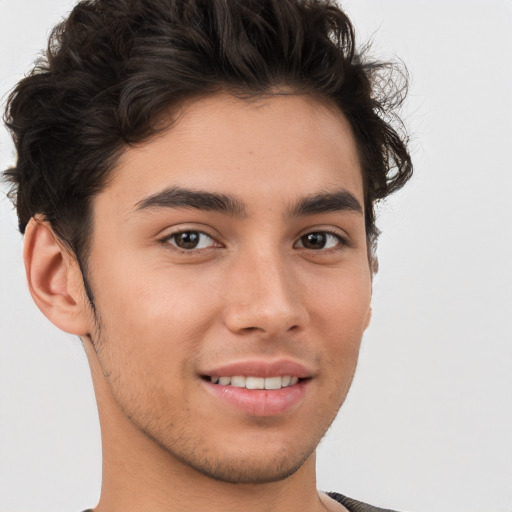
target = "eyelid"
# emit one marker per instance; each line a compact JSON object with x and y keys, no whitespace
{"x":183,"y":227}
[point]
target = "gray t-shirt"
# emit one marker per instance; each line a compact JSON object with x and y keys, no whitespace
{"x":355,"y":506}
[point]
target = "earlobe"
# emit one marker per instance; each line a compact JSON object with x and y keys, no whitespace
{"x":54,"y":279}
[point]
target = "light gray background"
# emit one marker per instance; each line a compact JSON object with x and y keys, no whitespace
{"x":428,"y":424}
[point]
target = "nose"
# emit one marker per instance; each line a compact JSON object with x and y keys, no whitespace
{"x":263,"y":296}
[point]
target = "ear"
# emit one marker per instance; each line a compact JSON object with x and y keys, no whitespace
{"x":54,"y":279}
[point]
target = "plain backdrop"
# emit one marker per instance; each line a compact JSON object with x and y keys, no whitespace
{"x":427,"y":426}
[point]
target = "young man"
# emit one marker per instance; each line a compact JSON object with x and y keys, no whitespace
{"x":196,"y":183}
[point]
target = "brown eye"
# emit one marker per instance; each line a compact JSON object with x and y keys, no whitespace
{"x":319,"y":240}
{"x":189,"y":240}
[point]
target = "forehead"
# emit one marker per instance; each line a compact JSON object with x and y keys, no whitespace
{"x":279,"y":147}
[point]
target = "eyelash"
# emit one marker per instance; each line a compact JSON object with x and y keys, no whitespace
{"x":342,"y":242}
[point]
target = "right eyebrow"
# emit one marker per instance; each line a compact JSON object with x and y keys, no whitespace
{"x":179,"y":197}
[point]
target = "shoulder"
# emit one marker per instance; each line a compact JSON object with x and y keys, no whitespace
{"x":354,"y":505}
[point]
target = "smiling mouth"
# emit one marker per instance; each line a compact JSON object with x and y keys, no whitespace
{"x":273,"y":394}
{"x":250,"y":382}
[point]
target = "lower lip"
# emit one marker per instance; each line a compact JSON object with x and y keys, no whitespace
{"x":260,"y":402}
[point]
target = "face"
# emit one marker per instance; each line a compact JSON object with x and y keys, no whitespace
{"x":232,"y":285}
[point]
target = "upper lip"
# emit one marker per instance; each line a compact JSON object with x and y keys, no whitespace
{"x":261,"y":368}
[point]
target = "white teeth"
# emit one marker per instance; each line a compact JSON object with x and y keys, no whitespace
{"x":239,"y":381}
{"x":273,"y":383}
{"x":285,"y":381}
{"x":255,"y":383}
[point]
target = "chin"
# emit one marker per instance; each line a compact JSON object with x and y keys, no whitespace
{"x":253,"y":459}
{"x":247,"y":470}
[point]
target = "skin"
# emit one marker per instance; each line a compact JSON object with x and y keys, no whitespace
{"x":251,"y":290}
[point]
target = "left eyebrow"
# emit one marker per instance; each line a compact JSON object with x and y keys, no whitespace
{"x":340,"y":200}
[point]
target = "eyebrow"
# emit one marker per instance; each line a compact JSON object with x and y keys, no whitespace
{"x":178,"y":197}
{"x":341,"y":200}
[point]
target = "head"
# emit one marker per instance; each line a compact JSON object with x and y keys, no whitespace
{"x":190,"y":130}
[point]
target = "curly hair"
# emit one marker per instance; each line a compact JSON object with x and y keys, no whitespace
{"x":113,"y":68}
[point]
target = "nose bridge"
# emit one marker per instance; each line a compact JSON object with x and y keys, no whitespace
{"x":263,"y":294}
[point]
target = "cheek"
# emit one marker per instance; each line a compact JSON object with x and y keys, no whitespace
{"x":339,"y":310}
{"x":339,"y":300}
{"x":153,"y":311}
